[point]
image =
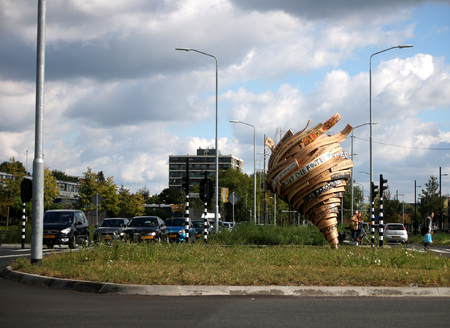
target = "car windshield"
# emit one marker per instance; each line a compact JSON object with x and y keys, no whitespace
{"x":111,"y":223}
{"x":143,"y":222}
{"x":175,"y":222}
{"x":198,"y":224}
{"x":58,"y":217}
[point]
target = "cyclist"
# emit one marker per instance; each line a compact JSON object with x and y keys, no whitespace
{"x":355,"y":226}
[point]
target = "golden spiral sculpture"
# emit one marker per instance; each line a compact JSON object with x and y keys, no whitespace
{"x":309,"y":171}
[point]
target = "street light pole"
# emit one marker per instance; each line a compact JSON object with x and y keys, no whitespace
{"x":254,"y":166}
{"x":351,"y":169}
{"x":403,"y":211}
{"x":415,"y":204}
{"x":440,"y":195}
{"x":217,"y":133}
{"x":370,"y":101}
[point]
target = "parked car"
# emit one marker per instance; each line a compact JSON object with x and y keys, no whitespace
{"x":395,"y":232}
{"x":110,"y":229}
{"x":199,"y":226}
{"x":176,"y":228}
{"x":213,"y":225}
{"x":228,"y":225}
{"x":145,"y":228}
{"x":65,"y":227}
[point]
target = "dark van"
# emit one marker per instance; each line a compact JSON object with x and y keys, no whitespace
{"x":65,"y":227}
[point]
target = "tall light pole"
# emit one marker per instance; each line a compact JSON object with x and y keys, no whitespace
{"x":403,"y":211}
{"x":362,"y":192}
{"x":254,"y":166}
{"x":217,"y":132}
{"x":440,"y":195}
{"x":351,"y":169}
{"x":370,"y":101}
{"x":415,"y":203}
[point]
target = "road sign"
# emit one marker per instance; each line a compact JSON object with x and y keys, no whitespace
{"x":233,"y":198}
{"x":97,"y":199}
{"x":177,"y":208}
{"x":194,"y":195}
{"x":224,"y":195}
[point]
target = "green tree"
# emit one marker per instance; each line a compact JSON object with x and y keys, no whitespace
{"x":10,"y":188}
{"x":108,"y":190}
{"x":59,"y":175}
{"x":242,"y":185}
{"x":51,"y":189}
{"x":430,"y":200}
{"x":130,"y":204}
{"x":145,"y":192}
{"x":86,"y":191}
{"x":171,"y":196}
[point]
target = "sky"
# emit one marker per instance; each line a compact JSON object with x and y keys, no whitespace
{"x":120,"y":99}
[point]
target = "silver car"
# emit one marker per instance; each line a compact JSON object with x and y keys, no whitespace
{"x":395,"y":232}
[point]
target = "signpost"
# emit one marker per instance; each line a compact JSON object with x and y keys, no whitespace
{"x":233,"y":199}
{"x":97,"y":200}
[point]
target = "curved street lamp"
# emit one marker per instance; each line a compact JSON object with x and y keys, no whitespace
{"x":254,"y":166}
{"x":351,"y":169}
{"x":217,"y":133}
{"x":370,"y":101}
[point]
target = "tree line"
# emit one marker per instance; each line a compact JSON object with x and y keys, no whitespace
{"x":121,"y":202}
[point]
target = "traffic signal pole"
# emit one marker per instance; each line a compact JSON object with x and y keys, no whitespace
{"x":186,"y":213}
{"x":374,"y":192}
{"x":206,"y":189}
{"x":381,"y":222}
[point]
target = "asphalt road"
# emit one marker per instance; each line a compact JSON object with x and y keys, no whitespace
{"x":26,"y":305}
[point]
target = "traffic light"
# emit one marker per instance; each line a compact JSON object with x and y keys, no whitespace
{"x":374,"y":190}
{"x":186,"y":183}
{"x":382,"y":184}
{"x":206,"y":190}
{"x":26,"y":190}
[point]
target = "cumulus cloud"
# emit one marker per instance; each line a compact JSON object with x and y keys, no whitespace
{"x":120,"y":99}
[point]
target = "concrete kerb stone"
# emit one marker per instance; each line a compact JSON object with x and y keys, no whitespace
{"x":170,"y":290}
{"x":325,"y":291}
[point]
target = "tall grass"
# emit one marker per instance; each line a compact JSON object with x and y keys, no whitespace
{"x":251,"y":234}
{"x":208,"y":264}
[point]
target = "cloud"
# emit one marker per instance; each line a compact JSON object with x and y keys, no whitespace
{"x":120,"y":99}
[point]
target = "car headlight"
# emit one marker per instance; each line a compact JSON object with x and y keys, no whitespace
{"x":66,"y":231}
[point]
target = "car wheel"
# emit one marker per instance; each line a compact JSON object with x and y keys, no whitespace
{"x":73,"y":243}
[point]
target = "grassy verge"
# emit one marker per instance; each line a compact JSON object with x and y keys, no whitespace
{"x":291,"y":256}
{"x":199,"y":264}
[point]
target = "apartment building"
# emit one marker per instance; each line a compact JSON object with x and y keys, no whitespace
{"x":204,"y":161}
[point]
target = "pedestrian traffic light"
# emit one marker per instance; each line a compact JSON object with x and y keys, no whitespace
{"x":374,"y":190}
{"x":206,"y":190}
{"x":26,"y":190}
{"x":186,"y":183}
{"x":383,"y":187}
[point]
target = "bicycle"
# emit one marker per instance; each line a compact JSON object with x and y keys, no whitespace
{"x":365,"y":237}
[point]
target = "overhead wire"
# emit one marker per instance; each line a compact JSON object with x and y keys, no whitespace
{"x":423,"y":148}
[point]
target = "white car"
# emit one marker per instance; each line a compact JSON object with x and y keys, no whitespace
{"x":395,"y":232}
{"x":228,"y":225}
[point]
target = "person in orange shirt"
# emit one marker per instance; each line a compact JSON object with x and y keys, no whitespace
{"x":355,"y":226}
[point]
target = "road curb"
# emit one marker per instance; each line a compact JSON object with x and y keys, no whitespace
{"x":169,"y":290}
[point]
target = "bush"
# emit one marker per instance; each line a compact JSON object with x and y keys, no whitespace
{"x":251,"y":234}
{"x":14,"y":234}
